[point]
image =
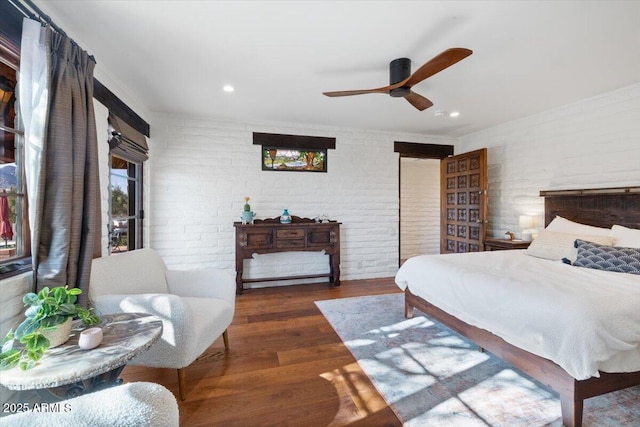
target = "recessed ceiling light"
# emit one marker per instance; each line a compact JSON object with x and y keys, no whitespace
{"x":438,"y":113}
{"x":228,"y":88}
{"x":454,"y":114}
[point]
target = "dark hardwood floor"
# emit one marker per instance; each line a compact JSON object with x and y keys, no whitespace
{"x":286,"y":366}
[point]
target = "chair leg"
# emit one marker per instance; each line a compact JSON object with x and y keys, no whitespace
{"x":181,"y":383}
{"x":225,"y":338}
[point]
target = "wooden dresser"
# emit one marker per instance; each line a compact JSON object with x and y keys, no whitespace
{"x":270,"y":236}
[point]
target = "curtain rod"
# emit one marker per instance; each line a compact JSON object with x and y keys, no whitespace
{"x":101,"y":92}
{"x":36,"y":13}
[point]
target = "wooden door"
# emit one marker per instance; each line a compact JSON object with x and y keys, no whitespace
{"x":463,"y":202}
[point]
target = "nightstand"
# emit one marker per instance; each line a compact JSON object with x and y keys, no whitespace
{"x":503,"y":244}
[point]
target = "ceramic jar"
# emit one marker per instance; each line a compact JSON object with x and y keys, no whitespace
{"x":285,"y":218}
{"x":90,"y":338}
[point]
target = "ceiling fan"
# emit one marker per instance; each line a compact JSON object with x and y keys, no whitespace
{"x":401,"y":80}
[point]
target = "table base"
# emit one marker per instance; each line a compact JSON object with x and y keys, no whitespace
{"x":99,"y":382}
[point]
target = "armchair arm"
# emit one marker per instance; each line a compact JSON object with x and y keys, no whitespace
{"x":206,"y":283}
{"x":176,"y":315}
{"x":138,"y":403}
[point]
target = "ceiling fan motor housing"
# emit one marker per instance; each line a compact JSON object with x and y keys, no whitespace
{"x":399,"y":69}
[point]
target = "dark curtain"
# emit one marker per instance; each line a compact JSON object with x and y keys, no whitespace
{"x":69,"y":228}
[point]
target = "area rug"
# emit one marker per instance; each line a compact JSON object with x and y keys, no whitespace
{"x":431,"y":376}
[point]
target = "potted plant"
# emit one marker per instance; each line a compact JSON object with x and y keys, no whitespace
{"x":47,"y":311}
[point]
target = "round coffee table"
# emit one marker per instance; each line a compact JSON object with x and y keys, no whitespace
{"x":68,"y":371}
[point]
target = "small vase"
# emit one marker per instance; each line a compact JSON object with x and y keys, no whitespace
{"x":285,"y":218}
{"x":60,"y":334}
{"x":247,"y":217}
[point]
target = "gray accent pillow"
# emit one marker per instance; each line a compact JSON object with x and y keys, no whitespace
{"x":607,"y":258}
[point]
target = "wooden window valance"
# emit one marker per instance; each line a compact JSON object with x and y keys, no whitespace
{"x":422,"y":151}
{"x":300,"y":142}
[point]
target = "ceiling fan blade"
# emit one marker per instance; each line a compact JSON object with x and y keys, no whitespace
{"x":384,"y":89}
{"x":437,"y":64}
{"x":418,"y":101}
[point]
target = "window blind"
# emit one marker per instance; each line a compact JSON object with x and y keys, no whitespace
{"x":126,"y":142}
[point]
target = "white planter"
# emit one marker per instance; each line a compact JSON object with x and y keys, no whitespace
{"x":59,"y":335}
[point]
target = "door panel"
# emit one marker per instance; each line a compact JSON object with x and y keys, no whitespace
{"x":463,"y":202}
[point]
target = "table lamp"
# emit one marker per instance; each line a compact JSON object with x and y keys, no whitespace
{"x":526,"y":223}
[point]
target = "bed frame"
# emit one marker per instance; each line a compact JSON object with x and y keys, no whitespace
{"x":598,"y":207}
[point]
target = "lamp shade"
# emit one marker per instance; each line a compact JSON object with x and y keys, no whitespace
{"x":525,"y":221}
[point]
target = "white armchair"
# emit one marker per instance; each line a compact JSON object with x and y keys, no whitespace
{"x":196,"y":306}
{"x":132,"y":404}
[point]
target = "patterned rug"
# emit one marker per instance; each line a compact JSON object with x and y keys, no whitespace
{"x":431,"y":376}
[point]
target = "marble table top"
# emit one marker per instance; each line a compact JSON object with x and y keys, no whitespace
{"x":125,"y":335}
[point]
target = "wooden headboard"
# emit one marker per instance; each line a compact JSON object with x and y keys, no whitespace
{"x":602,"y":207}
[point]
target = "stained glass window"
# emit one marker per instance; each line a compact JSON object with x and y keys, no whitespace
{"x":285,"y":159}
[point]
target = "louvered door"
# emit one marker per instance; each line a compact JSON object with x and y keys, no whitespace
{"x":463,"y":202}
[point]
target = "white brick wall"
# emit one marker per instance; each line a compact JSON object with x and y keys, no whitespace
{"x":201,"y":169}
{"x":419,"y":207}
{"x":590,"y":144}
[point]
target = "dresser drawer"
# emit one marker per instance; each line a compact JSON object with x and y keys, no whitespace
{"x":289,"y":243}
{"x":256,"y":239}
{"x":292,"y":233}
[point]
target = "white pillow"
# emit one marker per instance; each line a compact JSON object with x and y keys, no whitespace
{"x":563,"y":225}
{"x":556,"y":246}
{"x":626,"y":237}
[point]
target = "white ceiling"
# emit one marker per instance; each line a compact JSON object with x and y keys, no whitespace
{"x":529,"y":56}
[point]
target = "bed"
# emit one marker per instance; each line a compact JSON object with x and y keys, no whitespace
{"x":584,"y":339}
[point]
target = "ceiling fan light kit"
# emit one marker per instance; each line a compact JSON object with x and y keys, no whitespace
{"x":401,"y":80}
{"x":399,"y":70}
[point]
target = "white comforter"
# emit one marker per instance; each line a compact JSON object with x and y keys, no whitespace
{"x":582,"y":319}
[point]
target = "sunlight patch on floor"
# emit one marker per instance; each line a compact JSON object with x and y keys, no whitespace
{"x":515,"y":400}
{"x":393,"y":382}
{"x":442,"y":361}
{"x":360,"y":343}
{"x":357,"y":399}
{"x":450,"y":413}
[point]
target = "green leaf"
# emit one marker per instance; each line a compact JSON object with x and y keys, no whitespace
{"x":27,"y":327}
{"x":49,"y":301}
{"x":9,"y":359}
{"x":53,"y":321}
{"x":36,"y":354}
{"x":32,"y":311}
{"x":75,"y":291}
{"x":90,"y":319}
{"x":7,"y":345}
{"x":37,"y":342}
{"x":59,"y":293}
{"x":68,"y":308}
{"x":27,"y":364}
{"x":9,"y":337}
{"x":30,"y":299}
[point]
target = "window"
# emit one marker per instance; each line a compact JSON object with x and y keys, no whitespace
{"x":293,"y":152}
{"x":14,"y":243}
{"x":283,"y":159}
{"x":125,"y":212}
{"x":127,"y":153}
